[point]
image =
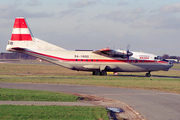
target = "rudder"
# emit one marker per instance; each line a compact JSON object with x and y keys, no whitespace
{"x":21,"y":31}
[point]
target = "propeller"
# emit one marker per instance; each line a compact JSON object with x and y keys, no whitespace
{"x":128,"y":53}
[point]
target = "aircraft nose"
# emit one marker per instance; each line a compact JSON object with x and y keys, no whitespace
{"x":170,"y":64}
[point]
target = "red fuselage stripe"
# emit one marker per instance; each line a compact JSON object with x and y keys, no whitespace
{"x":98,"y":60}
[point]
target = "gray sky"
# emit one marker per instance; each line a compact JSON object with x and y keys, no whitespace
{"x":151,"y":26}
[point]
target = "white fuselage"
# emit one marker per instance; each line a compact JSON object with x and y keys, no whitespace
{"x":87,"y":60}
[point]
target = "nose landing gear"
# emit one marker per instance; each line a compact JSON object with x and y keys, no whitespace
{"x":148,"y":74}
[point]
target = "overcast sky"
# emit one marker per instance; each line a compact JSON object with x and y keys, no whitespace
{"x":151,"y":26}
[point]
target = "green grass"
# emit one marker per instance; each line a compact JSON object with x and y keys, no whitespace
{"x":34,"y":95}
{"x":177,"y":66}
{"x":52,"y":112}
{"x":46,"y":112}
{"x":162,"y":84}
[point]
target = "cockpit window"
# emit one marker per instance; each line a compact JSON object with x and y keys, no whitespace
{"x":158,"y":58}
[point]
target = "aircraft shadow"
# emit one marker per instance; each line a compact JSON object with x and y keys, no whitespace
{"x":161,"y":76}
{"x":153,"y":76}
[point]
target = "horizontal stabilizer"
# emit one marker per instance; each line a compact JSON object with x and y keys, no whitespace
{"x":18,"y":49}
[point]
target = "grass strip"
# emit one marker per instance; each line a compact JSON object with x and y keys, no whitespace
{"x":30,"y":73}
{"x":52,"y":112}
{"x":162,"y":84}
{"x":34,"y":95}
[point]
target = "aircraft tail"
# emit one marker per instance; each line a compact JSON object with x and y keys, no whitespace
{"x":22,"y":38}
{"x":21,"y":31}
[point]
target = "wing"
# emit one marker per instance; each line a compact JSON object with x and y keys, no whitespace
{"x":113,"y":53}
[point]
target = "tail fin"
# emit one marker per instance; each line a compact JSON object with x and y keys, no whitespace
{"x":21,"y":31}
{"x":22,"y":39}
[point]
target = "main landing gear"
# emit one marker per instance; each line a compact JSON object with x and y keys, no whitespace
{"x":97,"y":72}
{"x":103,"y":73}
{"x":148,"y":74}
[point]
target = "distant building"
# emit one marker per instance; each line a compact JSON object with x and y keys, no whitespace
{"x":173,"y":60}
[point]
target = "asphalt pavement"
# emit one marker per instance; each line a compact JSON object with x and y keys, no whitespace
{"x":153,"y":105}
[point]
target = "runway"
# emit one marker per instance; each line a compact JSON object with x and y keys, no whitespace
{"x":153,"y":105}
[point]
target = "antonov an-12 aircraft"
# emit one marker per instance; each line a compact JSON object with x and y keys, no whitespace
{"x":99,"y":62}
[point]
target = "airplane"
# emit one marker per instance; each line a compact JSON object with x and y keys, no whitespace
{"x":99,"y":62}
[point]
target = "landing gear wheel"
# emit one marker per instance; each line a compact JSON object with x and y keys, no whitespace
{"x":148,"y":74}
{"x":103,"y":72}
{"x":96,"y":72}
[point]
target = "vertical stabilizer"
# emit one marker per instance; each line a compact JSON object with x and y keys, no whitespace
{"x":22,"y":39}
{"x":21,"y":31}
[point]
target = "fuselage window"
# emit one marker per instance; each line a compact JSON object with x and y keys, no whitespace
{"x":136,"y":61}
{"x":76,"y":60}
{"x":81,"y":59}
{"x":91,"y":60}
{"x":97,"y":60}
{"x":86,"y":59}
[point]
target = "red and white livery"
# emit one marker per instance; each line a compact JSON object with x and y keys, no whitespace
{"x":99,"y":61}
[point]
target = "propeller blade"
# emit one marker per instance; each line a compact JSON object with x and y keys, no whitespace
{"x":128,"y":46}
{"x":128,"y":53}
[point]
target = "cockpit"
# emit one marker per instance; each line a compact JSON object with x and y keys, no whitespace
{"x":160,"y":58}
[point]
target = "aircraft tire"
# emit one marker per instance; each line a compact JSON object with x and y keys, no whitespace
{"x":96,"y":72}
{"x":148,"y":75}
{"x":103,"y":72}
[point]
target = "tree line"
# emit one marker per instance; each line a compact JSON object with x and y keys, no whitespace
{"x":16,"y":56}
{"x":166,"y":56}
